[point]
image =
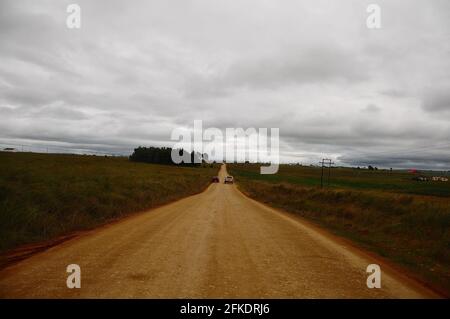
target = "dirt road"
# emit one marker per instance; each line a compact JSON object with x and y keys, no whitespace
{"x":215,"y":244}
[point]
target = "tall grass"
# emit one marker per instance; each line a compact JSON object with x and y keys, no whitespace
{"x":43,"y":196}
{"x":411,"y":229}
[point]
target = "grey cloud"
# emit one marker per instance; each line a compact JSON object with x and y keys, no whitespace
{"x":60,"y":111}
{"x":290,"y":67}
{"x":437,"y":100}
{"x":315,"y":65}
{"x":425,"y":160}
{"x":371,"y":108}
{"x":395,"y":93}
{"x":133,"y":72}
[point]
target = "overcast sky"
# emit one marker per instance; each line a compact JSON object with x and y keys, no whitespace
{"x":138,"y":69}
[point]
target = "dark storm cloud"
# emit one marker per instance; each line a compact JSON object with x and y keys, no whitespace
{"x":135,"y":71}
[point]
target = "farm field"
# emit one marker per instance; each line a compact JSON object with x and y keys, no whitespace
{"x":386,"y":212}
{"x":47,"y":195}
{"x":397,"y":181}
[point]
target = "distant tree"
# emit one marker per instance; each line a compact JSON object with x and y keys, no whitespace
{"x":163,"y":155}
{"x":370,"y":167}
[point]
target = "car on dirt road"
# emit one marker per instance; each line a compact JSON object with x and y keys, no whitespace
{"x":215,"y":179}
{"x":229,"y":180}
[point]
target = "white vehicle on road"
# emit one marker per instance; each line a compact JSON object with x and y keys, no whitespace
{"x":229,"y":180}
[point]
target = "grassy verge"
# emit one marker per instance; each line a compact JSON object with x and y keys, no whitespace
{"x":410,"y":229}
{"x":43,"y":196}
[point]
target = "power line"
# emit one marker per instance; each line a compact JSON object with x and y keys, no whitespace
{"x":329,"y":162}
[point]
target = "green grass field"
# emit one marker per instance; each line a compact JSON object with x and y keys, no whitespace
{"x":43,"y":196}
{"x":349,"y":178}
{"x":386,"y":212}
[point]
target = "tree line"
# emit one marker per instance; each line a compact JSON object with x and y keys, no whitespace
{"x":163,"y":155}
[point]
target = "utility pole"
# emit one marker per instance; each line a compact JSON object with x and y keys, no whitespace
{"x":329,"y":162}
{"x":329,"y":171}
{"x":321,"y":175}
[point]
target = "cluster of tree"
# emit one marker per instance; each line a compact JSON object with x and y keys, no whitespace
{"x":370,"y":168}
{"x":163,"y":155}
